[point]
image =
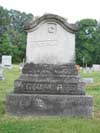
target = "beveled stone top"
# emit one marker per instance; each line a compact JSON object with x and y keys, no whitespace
{"x":47,"y":17}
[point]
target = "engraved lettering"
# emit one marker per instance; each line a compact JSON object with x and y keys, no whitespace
{"x":44,"y":43}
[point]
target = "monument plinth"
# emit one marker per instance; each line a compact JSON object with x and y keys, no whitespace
{"x":50,"y":83}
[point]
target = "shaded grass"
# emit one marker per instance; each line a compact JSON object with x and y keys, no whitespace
{"x":12,"y":124}
{"x":94,"y":90}
{"x":49,"y":124}
{"x":7,"y":84}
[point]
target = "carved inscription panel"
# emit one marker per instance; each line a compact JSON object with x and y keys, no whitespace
{"x":50,"y":44}
{"x":52,"y":28}
{"x":44,"y":43}
{"x":46,"y":87}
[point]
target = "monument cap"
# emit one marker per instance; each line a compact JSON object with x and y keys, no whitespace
{"x":56,"y":18}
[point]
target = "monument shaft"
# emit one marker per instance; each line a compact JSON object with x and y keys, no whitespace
{"x":50,"y":83}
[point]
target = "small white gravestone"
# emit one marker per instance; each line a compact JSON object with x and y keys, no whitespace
{"x":96,"y":67}
{"x":7,"y":61}
{"x":88,"y":80}
{"x":1,"y":74}
{"x":89,"y":69}
{"x":21,"y":65}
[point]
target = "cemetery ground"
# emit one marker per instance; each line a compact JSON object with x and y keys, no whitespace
{"x":47,"y":124}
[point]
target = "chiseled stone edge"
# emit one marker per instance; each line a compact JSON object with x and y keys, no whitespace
{"x":51,"y":18}
{"x":50,"y":105}
{"x":73,"y":88}
{"x":30,"y":67}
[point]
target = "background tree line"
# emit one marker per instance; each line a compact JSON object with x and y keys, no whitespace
{"x":13,"y":37}
{"x":88,"y":42}
{"x":12,"y":34}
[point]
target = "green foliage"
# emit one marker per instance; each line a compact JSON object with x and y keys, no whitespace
{"x":4,"y":20}
{"x":12,"y":34}
{"x":13,"y":37}
{"x":49,"y":124}
{"x":88,"y":42}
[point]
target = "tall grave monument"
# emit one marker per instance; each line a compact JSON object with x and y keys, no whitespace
{"x":50,"y":83}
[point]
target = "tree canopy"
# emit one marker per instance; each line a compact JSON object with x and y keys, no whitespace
{"x":88,"y":42}
{"x":13,"y":37}
{"x":12,"y":34}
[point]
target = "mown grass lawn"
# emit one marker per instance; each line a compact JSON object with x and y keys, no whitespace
{"x":12,"y":124}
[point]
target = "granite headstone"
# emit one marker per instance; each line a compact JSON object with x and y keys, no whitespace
{"x":50,"y":83}
{"x":7,"y":61}
{"x":1,"y":74}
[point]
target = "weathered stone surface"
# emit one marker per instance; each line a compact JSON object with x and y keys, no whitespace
{"x":7,"y":61}
{"x":62,"y":105}
{"x":62,"y":21}
{"x":49,"y":88}
{"x":49,"y":79}
{"x":50,"y":69}
{"x":50,"y":83}
{"x":51,"y":41}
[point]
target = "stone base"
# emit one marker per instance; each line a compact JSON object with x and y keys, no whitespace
{"x":49,"y":79}
{"x":55,"y":105}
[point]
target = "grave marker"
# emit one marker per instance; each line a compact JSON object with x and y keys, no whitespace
{"x":50,"y":84}
{"x":7,"y":61}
